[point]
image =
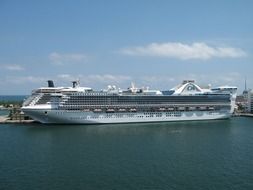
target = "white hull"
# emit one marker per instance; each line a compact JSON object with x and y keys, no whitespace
{"x":80,"y":117}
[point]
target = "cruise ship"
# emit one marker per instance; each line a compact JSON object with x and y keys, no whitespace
{"x":83,"y":105}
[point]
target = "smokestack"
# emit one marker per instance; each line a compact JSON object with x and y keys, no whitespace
{"x":74,"y":84}
{"x":50,"y":83}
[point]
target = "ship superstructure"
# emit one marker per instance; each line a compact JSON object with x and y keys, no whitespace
{"x":82,"y":105}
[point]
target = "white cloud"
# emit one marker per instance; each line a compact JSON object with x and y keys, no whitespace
{"x":229,"y":78}
{"x":108,"y":78}
{"x":68,"y":58}
{"x":65,"y":77}
{"x":94,"y":80}
{"x":25,"y":79}
{"x":197,"y":50}
{"x":162,"y":82}
{"x":158,"y":78}
{"x":12,"y":67}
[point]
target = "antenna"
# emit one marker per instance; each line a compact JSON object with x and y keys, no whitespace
{"x":245,"y":87}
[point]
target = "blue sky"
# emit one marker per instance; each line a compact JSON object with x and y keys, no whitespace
{"x":152,"y":43}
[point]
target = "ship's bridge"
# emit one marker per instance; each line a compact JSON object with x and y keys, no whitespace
{"x":231,"y":89}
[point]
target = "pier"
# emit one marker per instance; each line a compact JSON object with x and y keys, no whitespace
{"x":15,"y":116}
{"x":243,"y":115}
{"x":5,"y":119}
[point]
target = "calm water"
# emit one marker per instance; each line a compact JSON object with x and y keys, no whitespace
{"x":12,"y":98}
{"x":185,"y":155}
{"x":4,"y":112}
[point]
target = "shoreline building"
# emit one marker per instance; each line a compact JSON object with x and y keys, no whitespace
{"x":250,"y":101}
{"x":247,"y":103}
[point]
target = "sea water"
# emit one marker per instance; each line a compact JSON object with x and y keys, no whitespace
{"x":174,"y":155}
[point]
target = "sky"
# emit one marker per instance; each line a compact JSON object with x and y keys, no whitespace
{"x":154,"y":43}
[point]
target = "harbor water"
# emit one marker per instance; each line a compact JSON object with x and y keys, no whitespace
{"x":174,"y":155}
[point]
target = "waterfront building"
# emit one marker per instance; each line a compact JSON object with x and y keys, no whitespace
{"x":250,"y":101}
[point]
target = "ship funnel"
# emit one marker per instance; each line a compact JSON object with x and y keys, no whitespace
{"x":50,"y":83}
{"x":75,"y":84}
